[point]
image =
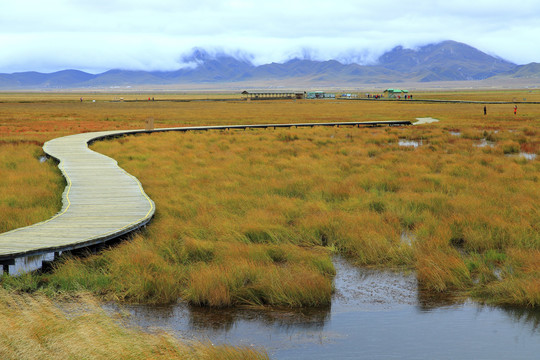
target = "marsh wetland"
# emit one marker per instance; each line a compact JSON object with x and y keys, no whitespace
{"x":405,"y":242}
{"x":375,"y":314}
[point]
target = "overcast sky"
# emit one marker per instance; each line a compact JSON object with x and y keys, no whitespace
{"x":98,"y":35}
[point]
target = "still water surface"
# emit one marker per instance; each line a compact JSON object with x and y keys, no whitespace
{"x":374,"y":315}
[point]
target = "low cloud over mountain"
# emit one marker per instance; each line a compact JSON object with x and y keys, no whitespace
{"x":445,"y":61}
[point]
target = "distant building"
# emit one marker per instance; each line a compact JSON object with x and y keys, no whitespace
{"x":394,"y":93}
{"x":270,"y":95}
{"x":319,"y":95}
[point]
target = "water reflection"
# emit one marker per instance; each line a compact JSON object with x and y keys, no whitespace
{"x":428,"y":301}
{"x":374,"y":315}
{"x":204,"y":318}
{"x":197,"y":319}
{"x":525,"y":317}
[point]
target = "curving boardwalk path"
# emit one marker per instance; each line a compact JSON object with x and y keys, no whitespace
{"x":100,"y":202}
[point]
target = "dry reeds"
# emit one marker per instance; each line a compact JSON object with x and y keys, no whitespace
{"x":34,"y":327}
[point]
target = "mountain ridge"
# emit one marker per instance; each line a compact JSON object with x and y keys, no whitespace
{"x":444,"y":61}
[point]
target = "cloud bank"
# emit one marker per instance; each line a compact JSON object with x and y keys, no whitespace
{"x":156,"y":35}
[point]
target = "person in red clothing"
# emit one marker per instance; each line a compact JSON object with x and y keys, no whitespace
{"x":515,"y":109}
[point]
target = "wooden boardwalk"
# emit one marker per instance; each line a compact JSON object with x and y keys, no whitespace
{"x":100,"y":202}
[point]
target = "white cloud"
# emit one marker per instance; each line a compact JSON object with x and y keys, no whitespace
{"x":154,"y":35}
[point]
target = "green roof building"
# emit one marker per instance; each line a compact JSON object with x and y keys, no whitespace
{"x":319,"y":95}
{"x":393,"y":93}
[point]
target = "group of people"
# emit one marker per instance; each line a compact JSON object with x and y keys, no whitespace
{"x":407,"y":97}
{"x":378,"y":96}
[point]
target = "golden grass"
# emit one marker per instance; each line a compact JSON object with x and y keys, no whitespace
{"x":88,"y":97}
{"x":224,"y":193}
{"x":485,"y":95}
{"x":33,"y":327}
{"x":249,"y":217}
{"x":28,"y":189}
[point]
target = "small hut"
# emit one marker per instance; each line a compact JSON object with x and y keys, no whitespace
{"x":319,"y":95}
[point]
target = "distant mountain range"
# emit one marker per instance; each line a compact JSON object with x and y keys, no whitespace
{"x":445,"y":61}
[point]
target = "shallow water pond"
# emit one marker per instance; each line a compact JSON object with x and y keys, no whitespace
{"x":524,"y":155}
{"x":528,"y":156}
{"x":413,"y":143}
{"x":374,"y":315}
{"x":484,"y":143}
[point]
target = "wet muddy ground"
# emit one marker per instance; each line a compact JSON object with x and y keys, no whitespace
{"x":374,"y":315}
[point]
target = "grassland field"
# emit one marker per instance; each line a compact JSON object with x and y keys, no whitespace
{"x":252,"y":218}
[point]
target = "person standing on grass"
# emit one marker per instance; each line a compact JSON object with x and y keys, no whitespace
{"x":485,"y":111}
{"x":515,"y":109}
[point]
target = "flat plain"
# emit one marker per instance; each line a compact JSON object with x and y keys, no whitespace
{"x":252,"y":218}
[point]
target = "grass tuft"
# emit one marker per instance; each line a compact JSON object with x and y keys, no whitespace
{"x":34,"y":327}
